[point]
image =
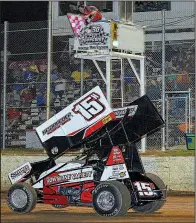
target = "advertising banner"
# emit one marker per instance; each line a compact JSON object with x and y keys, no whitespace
{"x":90,"y":37}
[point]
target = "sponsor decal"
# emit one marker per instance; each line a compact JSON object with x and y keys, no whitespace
{"x":92,"y":48}
{"x":120,"y":112}
{"x":93,"y":34}
{"x":121,"y":167}
{"x":116,"y":152}
{"x":122,"y":174}
{"x":107,"y":119}
{"x":66,"y":118}
{"x":115,"y":156}
{"x":115,"y":167}
{"x":118,"y":167}
{"x":67,"y":177}
{"x":115,"y":173}
{"x":20,"y":172}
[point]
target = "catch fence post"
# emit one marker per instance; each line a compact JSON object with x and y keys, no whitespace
{"x":4,"y":82}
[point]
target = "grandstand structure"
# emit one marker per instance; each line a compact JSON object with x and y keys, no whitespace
{"x":27,"y":68}
{"x":178,"y":22}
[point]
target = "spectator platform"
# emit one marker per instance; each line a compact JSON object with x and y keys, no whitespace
{"x":105,"y":36}
{"x":108,"y":41}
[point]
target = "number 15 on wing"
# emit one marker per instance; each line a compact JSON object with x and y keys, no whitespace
{"x":89,"y":107}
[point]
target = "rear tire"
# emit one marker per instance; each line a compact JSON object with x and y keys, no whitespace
{"x":22,"y":198}
{"x":154,"y":205}
{"x":111,"y":198}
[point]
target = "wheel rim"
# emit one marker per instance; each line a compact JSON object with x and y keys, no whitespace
{"x":19,"y":198}
{"x":105,"y":200}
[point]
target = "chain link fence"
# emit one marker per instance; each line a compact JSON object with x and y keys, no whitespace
{"x":27,"y":77}
{"x":26,"y":81}
{"x":179,"y":71}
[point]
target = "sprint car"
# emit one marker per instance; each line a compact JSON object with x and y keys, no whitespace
{"x":108,"y":175}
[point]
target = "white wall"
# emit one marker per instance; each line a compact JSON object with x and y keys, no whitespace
{"x":176,"y":172}
{"x":181,"y":5}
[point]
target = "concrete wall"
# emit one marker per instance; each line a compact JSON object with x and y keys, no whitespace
{"x":176,"y":172}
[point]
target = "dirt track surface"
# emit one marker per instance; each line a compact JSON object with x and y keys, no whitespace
{"x":176,"y":209}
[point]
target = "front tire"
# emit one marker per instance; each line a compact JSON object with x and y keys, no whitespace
{"x":111,"y":198}
{"x":153,"y":205}
{"x":22,"y":198}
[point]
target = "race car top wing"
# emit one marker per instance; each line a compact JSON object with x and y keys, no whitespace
{"x":142,"y":119}
{"x":76,"y":122}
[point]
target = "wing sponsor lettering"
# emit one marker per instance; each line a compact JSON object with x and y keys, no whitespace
{"x":68,"y":177}
{"x":66,"y":118}
{"x":120,"y":112}
{"x":20,"y":172}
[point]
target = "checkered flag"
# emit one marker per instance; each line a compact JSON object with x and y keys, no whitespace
{"x":77,"y":22}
